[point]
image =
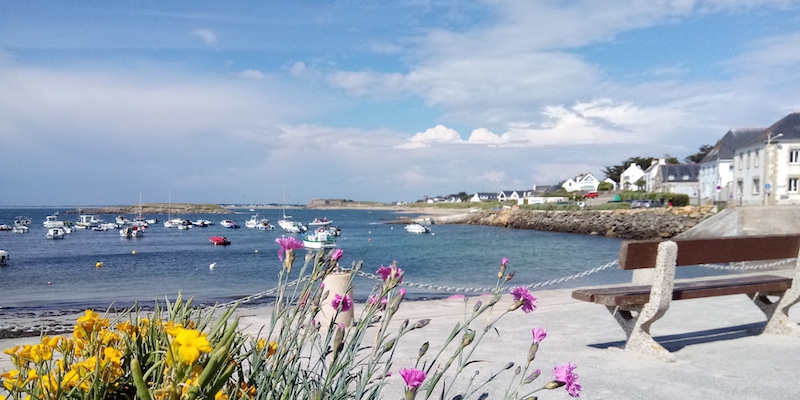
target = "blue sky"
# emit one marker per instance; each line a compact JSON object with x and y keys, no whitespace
{"x":239,"y":101}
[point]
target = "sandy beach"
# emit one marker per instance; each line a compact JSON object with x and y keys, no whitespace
{"x":719,"y":352}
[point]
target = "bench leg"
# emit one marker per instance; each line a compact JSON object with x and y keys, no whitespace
{"x":778,"y":321}
{"x":625,"y":318}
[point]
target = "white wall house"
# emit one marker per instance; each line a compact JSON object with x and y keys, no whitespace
{"x":717,"y":167}
{"x":483,"y":196}
{"x":629,"y":177}
{"x":650,"y":174}
{"x":584,"y":183}
{"x":678,"y":178}
{"x":767,"y":169}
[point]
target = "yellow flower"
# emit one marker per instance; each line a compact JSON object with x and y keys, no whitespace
{"x":271,"y":348}
{"x":11,"y":379}
{"x":89,"y":322}
{"x":189,"y":344}
{"x":12,"y":351}
{"x":112,"y":355}
{"x":220,"y":396}
{"x":261,"y":343}
{"x":128,"y":329}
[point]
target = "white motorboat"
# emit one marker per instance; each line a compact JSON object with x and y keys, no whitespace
{"x":174,"y":223}
{"x":51,"y":221}
{"x":88,"y":222}
{"x":20,"y":229}
{"x":255,"y":223}
{"x":316,"y":223}
{"x":122,"y":220}
{"x":105,"y":226}
{"x":5,"y":227}
{"x":3,"y":257}
{"x":203,"y":223}
{"x":229,"y":224}
{"x":55,"y":233}
{"x":22,"y":221}
{"x":319,"y":239}
{"x":417,"y":228}
{"x":131,"y":232}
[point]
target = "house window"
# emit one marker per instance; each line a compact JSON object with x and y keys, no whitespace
{"x":741,"y":161}
{"x":685,"y":177}
{"x":756,"y":186}
{"x":671,"y":178}
{"x":739,"y":187}
{"x":755,"y":161}
{"x":748,"y":160}
{"x":792,"y":187}
{"x":794,"y":156}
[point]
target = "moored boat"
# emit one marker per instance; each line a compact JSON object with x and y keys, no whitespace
{"x":87,"y":221}
{"x":229,"y":224}
{"x":219,"y":241}
{"x":131,"y":232}
{"x":417,"y":228}
{"x":55,"y":233}
{"x":51,"y":221}
{"x":319,"y":239}
{"x":20,"y":229}
{"x":5,"y":227}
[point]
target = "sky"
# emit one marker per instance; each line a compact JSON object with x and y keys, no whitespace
{"x":252,"y":102}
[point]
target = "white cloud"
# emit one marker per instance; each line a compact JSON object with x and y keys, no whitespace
{"x":437,"y":135}
{"x":207,"y":35}
{"x":252,"y":74}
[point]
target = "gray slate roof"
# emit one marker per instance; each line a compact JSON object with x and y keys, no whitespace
{"x":789,"y":126}
{"x":678,"y":171}
{"x":735,"y":138}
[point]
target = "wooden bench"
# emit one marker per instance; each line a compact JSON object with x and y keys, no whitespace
{"x":637,"y":307}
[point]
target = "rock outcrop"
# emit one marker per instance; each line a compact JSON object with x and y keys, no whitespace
{"x":627,"y":224}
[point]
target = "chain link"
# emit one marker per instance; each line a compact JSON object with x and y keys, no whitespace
{"x":442,"y":288}
{"x":742,"y":266}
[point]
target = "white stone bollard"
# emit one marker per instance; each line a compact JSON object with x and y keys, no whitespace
{"x":336,"y":283}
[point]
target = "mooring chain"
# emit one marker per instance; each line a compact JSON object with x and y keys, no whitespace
{"x":456,"y":289}
{"x":741,"y":266}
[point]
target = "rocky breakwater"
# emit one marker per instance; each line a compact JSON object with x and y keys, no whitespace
{"x":626,"y":224}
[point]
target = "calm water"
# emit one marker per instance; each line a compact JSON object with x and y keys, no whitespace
{"x":62,"y":274}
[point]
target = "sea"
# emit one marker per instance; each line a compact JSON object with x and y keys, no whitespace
{"x":92,"y":269}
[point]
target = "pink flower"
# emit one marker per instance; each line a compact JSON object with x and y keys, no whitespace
{"x":505,"y":261}
{"x":402,"y":292}
{"x":287,"y":244}
{"x":413,"y":377}
{"x":386,"y":273}
{"x":337,"y":254}
{"x":346,"y":302}
{"x":374,"y":300}
{"x":564,"y":373}
{"x":525,"y":298}
{"x":538,"y":334}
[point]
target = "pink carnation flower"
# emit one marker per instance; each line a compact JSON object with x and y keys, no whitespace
{"x":386,"y":273}
{"x":346,"y":302}
{"x":337,"y":254}
{"x":287,"y":243}
{"x":413,"y":377}
{"x":538,"y":334}
{"x":564,"y":373}
{"x":522,"y":294}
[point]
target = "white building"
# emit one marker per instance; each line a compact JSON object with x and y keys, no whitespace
{"x":584,"y":183}
{"x":767,"y":168}
{"x":716,"y":168}
{"x":629,"y":177}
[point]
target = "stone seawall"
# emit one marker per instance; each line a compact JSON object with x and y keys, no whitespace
{"x":626,"y":224}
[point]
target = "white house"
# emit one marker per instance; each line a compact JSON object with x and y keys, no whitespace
{"x":584,"y":183}
{"x":767,"y":169}
{"x":629,"y":177}
{"x":717,"y":167}
{"x":483,"y":196}
{"x":651,"y":172}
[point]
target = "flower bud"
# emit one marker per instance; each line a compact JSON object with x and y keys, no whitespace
{"x":510,"y":276}
{"x":477,"y":306}
{"x":494,"y":300}
{"x":388,"y":345}
{"x":501,"y":271}
{"x":554,"y":385}
{"x":509,"y":365}
{"x":518,"y":370}
{"x":422,"y":323}
{"x":289,"y":260}
{"x":469,"y":335}
{"x":532,"y":377}
{"x":423,"y":349}
{"x":532,"y":351}
{"x":404,"y":325}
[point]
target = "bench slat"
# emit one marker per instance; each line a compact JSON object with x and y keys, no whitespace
{"x":642,"y":253}
{"x":631,"y":295}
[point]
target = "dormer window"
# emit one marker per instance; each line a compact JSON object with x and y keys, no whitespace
{"x":671,"y":178}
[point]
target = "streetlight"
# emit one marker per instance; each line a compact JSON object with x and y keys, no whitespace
{"x":767,"y":158}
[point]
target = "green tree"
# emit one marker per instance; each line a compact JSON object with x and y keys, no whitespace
{"x":700,"y":155}
{"x":605,"y":186}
